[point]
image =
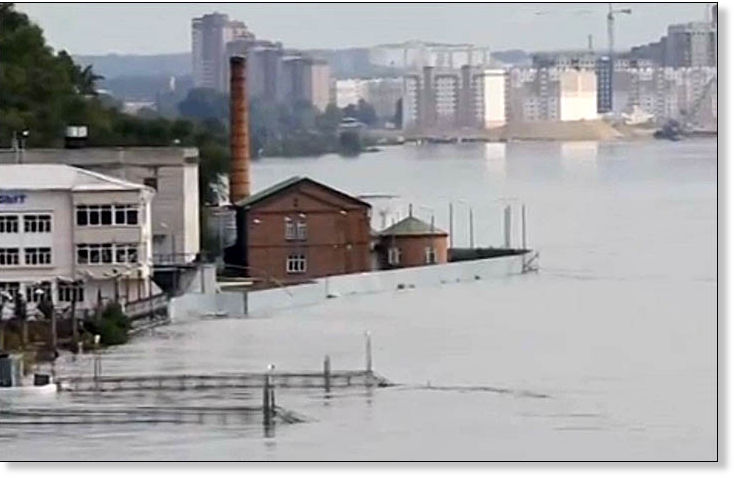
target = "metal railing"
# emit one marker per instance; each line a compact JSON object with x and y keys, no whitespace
{"x":146,"y":306}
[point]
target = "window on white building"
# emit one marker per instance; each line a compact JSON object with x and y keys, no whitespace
{"x":8,"y":224}
{"x":393,"y":256}
{"x":431,"y":256}
{"x":106,"y":253}
{"x":295,"y":264}
{"x":9,"y":256}
{"x":107,"y":215}
{"x":36,"y":292}
{"x":9,"y":288}
{"x":69,"y":292}
{"x":36,"y":256}
{"x":37,"y":223}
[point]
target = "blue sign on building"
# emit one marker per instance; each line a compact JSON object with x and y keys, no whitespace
{"x":12,"y":197}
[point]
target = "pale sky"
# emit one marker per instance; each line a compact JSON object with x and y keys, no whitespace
{"x":98,"y":28}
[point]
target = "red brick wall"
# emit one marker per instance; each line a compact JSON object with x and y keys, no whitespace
{"x":336,"y":242}
{"x":413,"y":249}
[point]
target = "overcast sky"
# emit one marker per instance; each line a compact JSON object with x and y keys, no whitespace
{"x":165,"y":28}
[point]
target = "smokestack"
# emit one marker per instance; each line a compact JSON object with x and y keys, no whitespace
{"x":239,"y":131}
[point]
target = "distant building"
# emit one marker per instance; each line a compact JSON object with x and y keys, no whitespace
{"x":494,"y":98}
{"x":172,"y":172}
{"x":552,"y":94}
{"x":306,"y":79}
{"x":410,"y":243}
{"x":299,"y":229}
{"x":691,"y":44}
{"x":350,"y":91}
{"x":604,"y":97}
{"x":75,"y":234}
{"x":209,"y":37}
{"x":668,"y":93}
{"x":439,"y":99}
{"x":577,"y":95}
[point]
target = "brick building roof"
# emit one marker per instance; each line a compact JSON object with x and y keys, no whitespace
{"x":277,"y":188}
{"x":411,"y":226}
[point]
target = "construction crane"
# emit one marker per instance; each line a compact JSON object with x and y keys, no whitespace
{"x":610,"y":26}
{"x":610,"y":37}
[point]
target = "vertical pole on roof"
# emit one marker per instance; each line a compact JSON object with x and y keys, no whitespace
{"x":451,"y":225}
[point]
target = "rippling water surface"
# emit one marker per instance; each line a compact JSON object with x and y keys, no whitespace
{"x":609,"y":352}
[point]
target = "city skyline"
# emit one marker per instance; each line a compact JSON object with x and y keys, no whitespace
{"x":132,"y":29}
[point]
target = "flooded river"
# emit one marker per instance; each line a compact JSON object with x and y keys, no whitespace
{"x":607,"y":353}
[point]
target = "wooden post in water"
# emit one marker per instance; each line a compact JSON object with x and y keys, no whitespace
{"x":327,"y":373}
{"x":508,"y":229}
{"x":524,"y":230}
{"x":471,"y":228}
{"x":271,"y":367}
{"x":54,"y":332}
{"x":266,"y":398}
{"x":97,"y":362}
{"x":74,"y":328}
{"x":368,"y":351}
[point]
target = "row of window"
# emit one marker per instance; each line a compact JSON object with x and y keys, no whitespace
{"x":64,"y":292}
{"x":107,"y":215}
{"x":394,"y":256}
{"x":31,"y":223}
{"x":33,"y":256}
{"x":106,"y":253}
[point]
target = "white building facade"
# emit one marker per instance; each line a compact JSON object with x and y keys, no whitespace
{"x":171,"y":171}
{"x":493,"y":98}
{"x":577,"y":95}
{"x":77,"y":234}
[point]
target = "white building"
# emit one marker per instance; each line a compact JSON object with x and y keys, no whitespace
{"x":577,"y":95}
{"x":172,"y":172}
{"x":60,"y":224}
{"x":382,"y":93}
{"x":493,"y":96}
{"x":552,"y":94}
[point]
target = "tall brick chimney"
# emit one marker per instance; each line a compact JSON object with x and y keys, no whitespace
{"x":239,"y":130}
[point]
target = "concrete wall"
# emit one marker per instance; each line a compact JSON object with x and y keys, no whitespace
{"x":264,"y":302}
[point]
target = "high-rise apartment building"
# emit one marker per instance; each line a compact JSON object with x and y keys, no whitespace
{"x":691,"y":44}
{"x":306,"y":79}
{"x":209,"y":37}
{"x":552,"y":94}
{"x":443,"y":98}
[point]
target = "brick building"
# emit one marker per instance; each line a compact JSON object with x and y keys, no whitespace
{"x":411,"y":242}
{"x":299,"y":229}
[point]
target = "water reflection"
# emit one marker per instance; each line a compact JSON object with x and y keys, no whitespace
{"x":579,"y":158}
{"x":495,"y":155}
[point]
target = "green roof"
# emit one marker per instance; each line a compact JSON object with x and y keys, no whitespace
{"x":411,"y":226}
{"x":285,"y":184}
